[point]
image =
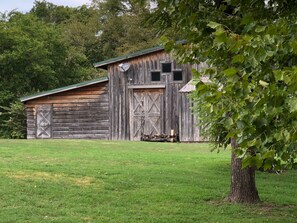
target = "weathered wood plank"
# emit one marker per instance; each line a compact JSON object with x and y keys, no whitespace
{"x":75,"y":97}
{"x":81,"y":120}
{"x":29,"y":136}
{"x":86,"y":91}
{"x":84,"y":105}
{"x":75,"y":108}
{"x":80,"y":128}
{"x":82,"y":92}
{"x":31,"y":132}
{"x":81,"y":113}
{"x":83,"y":132}
{"x":73,"y":104}
{"x":82,"y":136}
{"x":75,"y":118}
{"x":82,"y":124}
{"x":63,"y":100}
{"x":148,"y":86}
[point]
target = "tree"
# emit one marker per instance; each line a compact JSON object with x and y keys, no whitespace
{"x":51,"y":13}
{"x":250,"y":103}
{"x":35,"y":56}
{"x":123,"y":28}
{"x":79,"y":26}
{"x":14,"y":120}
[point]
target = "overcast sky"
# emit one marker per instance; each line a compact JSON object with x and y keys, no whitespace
{"x":26,"y":5}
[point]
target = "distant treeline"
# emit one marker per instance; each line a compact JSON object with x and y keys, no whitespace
{"x":53,"y":46}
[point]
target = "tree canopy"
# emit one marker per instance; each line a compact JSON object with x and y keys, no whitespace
{"x":251,"y":49}
{"x":53,"y":46}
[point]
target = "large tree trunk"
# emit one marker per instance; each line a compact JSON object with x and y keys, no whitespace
{"x":243,"y":185}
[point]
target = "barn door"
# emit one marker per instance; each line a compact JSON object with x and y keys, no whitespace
{"x":44,"y":122}
{"x":146,"y":113}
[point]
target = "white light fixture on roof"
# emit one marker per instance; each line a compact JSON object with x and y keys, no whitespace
{"x":124,"y":67}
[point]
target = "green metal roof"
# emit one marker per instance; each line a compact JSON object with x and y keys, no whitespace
{"x":103,"y":64}
{"x":62,"y":89}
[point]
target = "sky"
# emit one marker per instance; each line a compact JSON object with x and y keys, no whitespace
{"x":26,"y":5}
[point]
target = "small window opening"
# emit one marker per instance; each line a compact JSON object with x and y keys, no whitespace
{"x":155,"y":76}
{"x":166,"y":67}
{"x":177,"y":75}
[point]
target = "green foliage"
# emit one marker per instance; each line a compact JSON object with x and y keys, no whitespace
{"x":15,"y":126}
{"x":79,"y":26}
{"x":35,"y":56}
{"x":50,"y":13}
{"x":126,"y":182}
{"x":123,"y":28}
{"x":53,"y":46}
{"x":251,"y":49}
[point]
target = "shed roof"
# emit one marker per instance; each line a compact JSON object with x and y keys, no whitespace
{"x":62,"y":89}
{"x":103,"y":64}
{"x":189,"y":87}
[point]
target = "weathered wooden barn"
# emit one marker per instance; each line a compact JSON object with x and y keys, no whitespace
{"x":75,"y":111}
{"x":145,"y":93}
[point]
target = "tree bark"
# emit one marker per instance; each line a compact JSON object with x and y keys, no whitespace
{"x":243,"y":185}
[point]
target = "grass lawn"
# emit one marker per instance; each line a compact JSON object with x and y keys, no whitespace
{"x":114,"y":181}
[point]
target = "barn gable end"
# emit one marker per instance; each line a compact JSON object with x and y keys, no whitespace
{"x":145,"y":99}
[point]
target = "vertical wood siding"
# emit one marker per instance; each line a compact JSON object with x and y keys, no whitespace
{"x":79,"y":113}
{"x":189,"y":131}
{"x":31,"y":123}
{"x":176,"y":112}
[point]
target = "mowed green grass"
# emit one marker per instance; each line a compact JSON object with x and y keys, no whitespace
{"x":116,"y":181}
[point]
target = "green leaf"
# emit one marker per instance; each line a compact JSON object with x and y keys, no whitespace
{"x":252,"y":161}
{"x":254,"y":62}
{"x":213,"y":25}
{"x":263,"y":83}
{"x":246,"y":162}
{"x":238,"y":58}
{"x":258,"y":161}
{"x":292,"y":104}
{"x":268,"y":154}
{"x":230,"y":135}
{"x":228,"y":122}
{"x":230,"y":71}
{"x":279,"y":75}
{"x":221,"y":36}
{"x":267,"y":165}
{"x":240,"y":125}
{"x":260,"y":29}
{"x":247,"y":19}
{"x":270,"y":53}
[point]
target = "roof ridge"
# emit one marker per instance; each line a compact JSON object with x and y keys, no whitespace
{"x":104,"y":63}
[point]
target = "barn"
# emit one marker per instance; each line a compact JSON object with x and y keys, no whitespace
{"x":146,"y":92}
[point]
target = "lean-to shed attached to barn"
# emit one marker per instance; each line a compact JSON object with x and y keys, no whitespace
{"x":77,"y":111}
{"x":140,"y":96}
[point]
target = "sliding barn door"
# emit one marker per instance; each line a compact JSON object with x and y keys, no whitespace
{"x":44,"y":122}
{"x":146,"y":110}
